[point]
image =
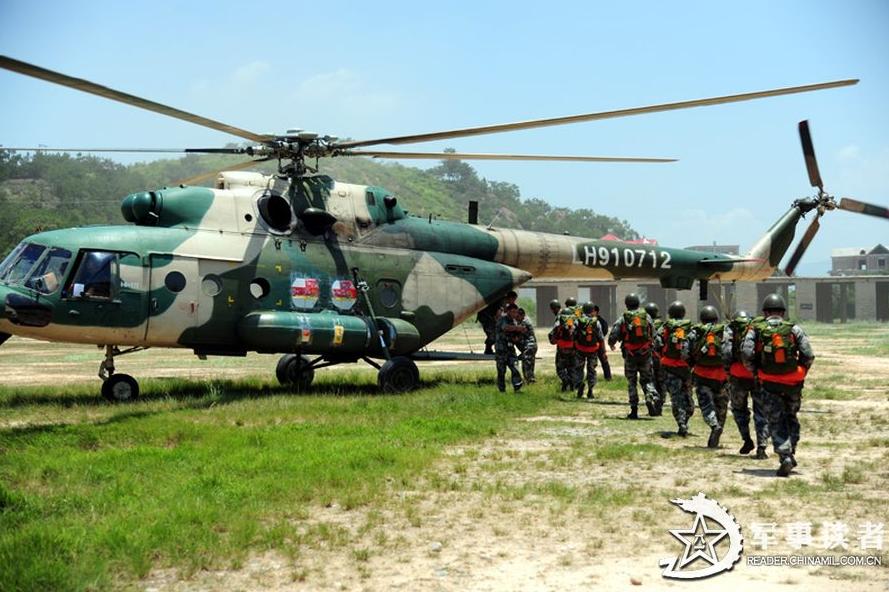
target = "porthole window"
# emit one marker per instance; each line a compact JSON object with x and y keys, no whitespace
{"x":211,"y":285}
{"x":260,"y":288}
{"x":175,"y":281}
{"x":248,"y":217}
{"x":388,"y":292}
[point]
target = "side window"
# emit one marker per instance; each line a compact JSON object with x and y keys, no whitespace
{"x":95,"y":277}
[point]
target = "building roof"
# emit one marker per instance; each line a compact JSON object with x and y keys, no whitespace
{"x":848,"y":252}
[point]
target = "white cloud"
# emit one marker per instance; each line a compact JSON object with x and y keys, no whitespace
{"x":250,"y":73}
{"x":850,"y":152}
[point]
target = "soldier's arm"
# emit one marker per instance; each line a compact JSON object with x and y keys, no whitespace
{"x":726,"y":346}
{"x":650,"y":325}
{"x":689,"y":351}
{"x":615,"y":332}
{"x":806,"y":354}
{"x":748,"y":350}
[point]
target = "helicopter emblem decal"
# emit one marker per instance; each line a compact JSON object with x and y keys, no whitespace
{"x":344,"y":294}
{"x":304,"y":292}
{"x":702,"y":540}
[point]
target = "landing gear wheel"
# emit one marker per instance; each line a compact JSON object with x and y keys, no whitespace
{"x":120,"y":388}
{"x":294,"y":370}
{"x":398,"y":375}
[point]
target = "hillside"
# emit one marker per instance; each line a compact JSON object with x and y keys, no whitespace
{"x":44,"y":191}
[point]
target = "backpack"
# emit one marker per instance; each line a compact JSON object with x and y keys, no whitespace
{"x":566,"y":322}
{"x":709,"y":343}
{"x":586,"y":335}
{"x":674,"y":334}
{"x":777,"y":347}
{"x":739,"y":329}
{"x":635,"y":328}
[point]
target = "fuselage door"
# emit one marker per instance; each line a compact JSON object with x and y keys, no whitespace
{"x":173,"y":300}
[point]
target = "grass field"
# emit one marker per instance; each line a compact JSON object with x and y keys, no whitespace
{"x":218,"y":478}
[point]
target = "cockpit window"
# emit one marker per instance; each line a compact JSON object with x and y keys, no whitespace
{"x":95,"y":277}
{"x":16,"y":267}
{"x":48,"y":274}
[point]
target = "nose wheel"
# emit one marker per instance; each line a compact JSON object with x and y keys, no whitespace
{"x":117,"y":388}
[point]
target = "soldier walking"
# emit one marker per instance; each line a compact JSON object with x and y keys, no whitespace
{"x":705,"y":351}
{"x":504,"y":348}
{"x":673,"y":345}
{"x":657,"y":372}
{"x":741,"y":385}
{"x":603,"y":355}
{"x":562,"y":336}
{"x":489,"y":316}
{"x":780,"y":353}
{"x":588,"y":341}
{"x":527,"y":347}
{"x":634,"y":330}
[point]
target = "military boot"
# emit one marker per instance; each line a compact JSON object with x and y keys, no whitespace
{"x":589,"y":392}
{"x":580,"y":394}
{"x":683,"y":431}
{"x":652,"y":410}
{"x":715,"y":433}
{"x":634,"y":413}
{"x":747,"y":447}
{"x":761,"y":453}
{"x":785,"y":467}
{"x":564,"y":386}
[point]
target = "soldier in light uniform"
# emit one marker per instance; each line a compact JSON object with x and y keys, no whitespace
{"x":741,"y":384}
{"x":705,"y":351}
{"x":588,"y":341}
{"x":528,"y":347}
{"x":562,"y":336}
{"x":504,"y":348}
{"x":635,"y":332}
{"x":657,"y":372}
{"x":489,"y":316}
{"x":780,"y":354}
{"x":672,"y":342}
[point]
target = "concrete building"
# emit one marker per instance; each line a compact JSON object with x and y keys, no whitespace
{"x":859,"y":261}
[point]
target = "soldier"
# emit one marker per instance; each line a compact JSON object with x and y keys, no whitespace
{"x":528,"y":349}
{"x":705,"y":351}
{"x":657,"y":372}
{"x":562,"y":336}
{"x":489,"y":316}
{"x":780,"y":353}
{"x":673,"y":345}
{"x":588,"y":340}
{"x":603,"y":355}
{"x":506,"y":329}
{"x":741,"y":384}
{"x":634,"y":330}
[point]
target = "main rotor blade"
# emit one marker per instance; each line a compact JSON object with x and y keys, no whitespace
{"x":861,"y":207}
{"x":235,"y":167}
{"x":803,"y":245}
{"x":86,"y":86}
{"x":131,"y":150}
{"x":478,"y":156}
{"x":534,"y":123}
{"x":809,"y":154}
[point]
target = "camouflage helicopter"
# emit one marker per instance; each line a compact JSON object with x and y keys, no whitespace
{"x":321,"y":271}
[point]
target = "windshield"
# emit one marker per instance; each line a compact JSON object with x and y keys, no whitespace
{"x":48,"y":274}
{"x":16,"y":269}
{"x":4,"y":265}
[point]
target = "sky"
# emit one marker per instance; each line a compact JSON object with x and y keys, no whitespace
{"x":374,"y":69}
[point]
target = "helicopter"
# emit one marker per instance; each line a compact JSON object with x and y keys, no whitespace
{"x":320,"y":271}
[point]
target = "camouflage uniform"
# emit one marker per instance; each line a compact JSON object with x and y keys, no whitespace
{"x":587,"y":356}
{"x":637,"y":363}
{"x":741,"y":385}
{"x":710,"y":382}
{"x":783,"y":393}
{"x":528,"y":349}
{"x":676,"y":377}
{"x":657,"y":372}
{"x":603,"y":355}
{"x":505,"y":355}
{"x":566,"y":356}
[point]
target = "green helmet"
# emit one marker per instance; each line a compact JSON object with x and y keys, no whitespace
{"x":588,"y":307}
{"x":708,"y":314}
{"x":652,"y":309}
{"x":774,"y":302}
{"x":632,"y":301}
{"x":741,"y":315}
{"x":570,"y":301}
{"x":676,"y":310}
{"x":555,"y":306}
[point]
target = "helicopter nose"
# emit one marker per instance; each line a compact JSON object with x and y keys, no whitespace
{"x":23,"y":310}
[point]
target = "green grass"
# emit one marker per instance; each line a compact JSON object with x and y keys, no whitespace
{"x":199,"y":481}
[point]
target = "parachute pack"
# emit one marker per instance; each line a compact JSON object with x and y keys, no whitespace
{"x":635,"y":329}
{"x":709,"y":342}
{"x":777,"y":347}
{"x":674,"y":334}
{"x":586,"y":336}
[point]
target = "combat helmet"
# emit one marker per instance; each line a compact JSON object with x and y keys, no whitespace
{"x":652,"y":309}
{"x":676,"y":310}
{"x":632,"y":301}
{"x":570,"y":301}
{"x":741,"y":315}
{"x":555,"y":306}
{"x":774,"y":302}
{"x":708,"y":314}
{"x":588,"y":307}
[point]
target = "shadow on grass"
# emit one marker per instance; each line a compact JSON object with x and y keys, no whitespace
{"x":759,"y":472}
